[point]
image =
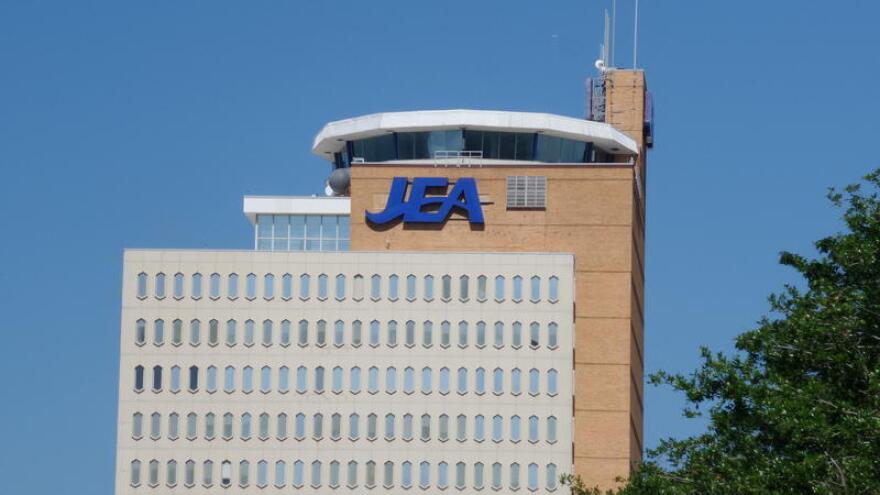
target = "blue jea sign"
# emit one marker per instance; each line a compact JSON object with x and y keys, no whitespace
{"x":420,"y":208}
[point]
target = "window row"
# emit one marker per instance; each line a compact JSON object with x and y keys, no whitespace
{"x":406,"y":474}
{"x":338,"y":380}
{"x":340,"y":333}
{"x":441,"y":427}
{"x":374,"y":287}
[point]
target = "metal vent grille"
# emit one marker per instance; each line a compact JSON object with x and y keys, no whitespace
{"x":526,"y":191}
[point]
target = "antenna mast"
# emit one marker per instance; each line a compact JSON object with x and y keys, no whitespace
{"x":613,"y":29}
{"x":636,"y":38}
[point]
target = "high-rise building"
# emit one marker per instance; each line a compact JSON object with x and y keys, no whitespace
{"x":463,"y":312}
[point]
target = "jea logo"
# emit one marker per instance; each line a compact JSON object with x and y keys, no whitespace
{"x":463,"y":196}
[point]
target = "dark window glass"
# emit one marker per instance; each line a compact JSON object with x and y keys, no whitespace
{"x":525,"y":146}
{"x":507,"y":145}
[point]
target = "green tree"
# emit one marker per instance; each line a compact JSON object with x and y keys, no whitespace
{"x":796,"y":408}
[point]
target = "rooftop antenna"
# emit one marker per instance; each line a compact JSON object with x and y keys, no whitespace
{"x":636,"y":38}
{"x":602,"y":63}
{"x":613,"y":29}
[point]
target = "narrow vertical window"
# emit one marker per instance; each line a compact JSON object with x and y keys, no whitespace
{"x":393,"y":283}
{"x":429,"y":288}
{"x":267,"y":333}
{"x":353,"y":426}
{"x":319,"y":379}
{"x":551,"y":429}
{"x":426,"y":380}
{"x":425,"y":428}
{"x":370,"y":479}
{"x":178,"y":285}
{"x":302,"y":338}
{"x":372,"y":426}
{"x":463,"y":287}
{"x":283,"y":379}
{"x":249,"y":333}
{"x":497,"y":428}
{"x":246,"y":426}
{"x":318,"y":426}
{"x":335,"y":426}
{"x":498,"y":381}
{"x":225,"y":473}
{"x":552,"y":335}
{"x":265,"y":379}
{"x":211,"y":379}
{"x":499,"y":335}
{"x":153,"y":473}
{"x":496,"y":476}
{"x":533,"y":477}
{"x":534,"y":335}
{"x":159,"y":290}
{"x":427,"y":333}
{"x":552,"y":382}
{"x":230,"y":333}
{"x":442,"y":475}
{"x":138,"y":378}
{"x":535,"y":295}
{"x":304,"y":286}
{"x":409,"y":380}
{"x":478,"y":476}
{"x":515,"y":428}
{"x":175,"y":379}
{"x":499,"y":288}
{"x":244,"y":468}
{"x":446,"y":288}
{"x":232,"y":286}
{"x":388,"y":475}
{"x":389,"y":427}
{"x":195,"y":331}
{"x":268,"y":286}
{"x":193,"y":378}
{"x":424,"y":475}
{"x":391,"y":380}
{"x":462,"y":334}
{"x":373,"y":380}
{"x":534,"y":382}
{"x":213,"y":332}
{"x":159,"y":332}
{"x":227,"y":426}
{"x":407,"y":427}
{"x":443,"y":428}
{"x":197,"y":286}
{"x":141,"y":287}
{"x":410,"y":287}
{"x":229,"y":379}
{"x":514,"y":476}
{"x":339,"y":333}
{"x":280,"y":469}
{"x":176,"y":332}
{"x":355,"y":380}
{"x":171,"y":473}
{"x":322,"y":286}
{"x":263,"y":474}
{"x":356,"y":337}
{"x":517,"y":288}
{"x":551,"y":477}
{"x":285,"y":333}
{"x":334,"y":474}
{"x":375,"y":287}
{"x":214,"y":286}
{"x":553,"y":292}
{"x":298,"y":474}
{"x":461,"y":428}
{"x":301,"y":379}
{"x":173,"y":426}
{"x":299,"y":425}
{"x":209,"y":426}
{"x":374,"y":333}
{"x":358,"y":289}
{"x":445,"y":334}
{"x":410,"y":337}
{"x":190,"y":473}
{"x":480,"y":383}
{"x":516,"y":338}
{"x":286,"y":286}
{"x":533,"y":429}
{"x":444,"y":381}
{"x":481,"y":288}
{"x":191,"y":426}
{"x":263,"y":426}
{"x":155,"y":426}
{"x":247,"y":379}
{"x":391,"y":341}
{"x":340,"y":287}
{"x":406,"y":474}
{"x":481,"y":334}
{"x":351,"y":474}
{"x":459,"y":475}
{"x":208,"y":473}
{"x":251,"y":286}
{"x":462,"y":381}
{"x":336,"y":380}
{"x":515,"y":381}
{"x":316,"y":474}
{"x":137,"y":426}
{"x":140,"y":332}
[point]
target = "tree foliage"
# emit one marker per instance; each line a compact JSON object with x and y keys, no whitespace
{"x":796,"y":408}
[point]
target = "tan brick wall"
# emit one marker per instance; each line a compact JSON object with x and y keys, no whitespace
{"x":594,"y":212}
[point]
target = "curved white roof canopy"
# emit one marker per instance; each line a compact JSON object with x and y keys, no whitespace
{"x":332,"y":137}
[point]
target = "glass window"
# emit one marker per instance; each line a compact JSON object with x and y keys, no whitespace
{"x":499,"y":334}
{"x":155,"y":426}
{"x":514,"y":476}
{"x":406,"y":474}
{"x":478,"y":476}
{"x":244,"y":468}
{"x":551,"y":429}
{"x":425,"y":428}
{"x":424,"y":474}
{"x":230,"y":333}
{"x":517,"y":288}
{"x":304,"y":286}
{"x":140,"y":332}
{"x":285,"y":332}
{"x":481,"y":334}
{"x":191,"y":426}
{"x":410,"y":287}
{"x":459,"y":475}
{"x":213,"y":332}
{"x":535,"y":289}
{"x":463,"y":286}
{"x":322,"y":286}
{"x":209,"y":426}
{"x":251,"y":286}
{"x":534,"y":335}
{"x":497,"y":428}
{"x":319,"y":379}
{"x":426,"y":380}
{"x":229,"y":379}
{"x":268,"y":286}
{"x":232,"y":286}
{"x":249,"y":333}
{"x":300,"y":426}
{"x":533,"y":477}
{"x":227,"y":426}
{"x":498,"y":381}
{"x":313,"y":232}
{"x":499,"y":288}
{"x":479,"y":427}
{"x":339,"y":333}
{"x":407,"y":427}
{"x":263,"y":426}
{"x":516,"y":340}
{"x":153,"y":473}
{"x":176,"y":332}
{"x":391,"y":380}
{"x":533,"y":429}
{"x":462,"y":381}
{"x":446,"y":287}
{"x":429,"y":287}
{"x":318,"y":426}
{"x":443,"y":428}
{"x":171,"y":473}
{"x":551,"y":477}
{"x":389,"y":426}
{"x":355,"y":380}
{"x":553,"y":295}
{"x":552,"y":335}
{"x":340,"y":287}
{"x":409,"y":380}
{"x":321,"y":333}
{"x":352,"y":474}
{"x":142,"y":285}
{"x":137,"y":425}
{"x":175,"y":379}
{"x":214,"y":286}
{"x":336,"y":386}
{"x":392,"y":334}
{"x":353,"y":426}
{"x":262,"y":474}
{"x":194,"y":332}
{"x":534,"y":382}
{"x":286,"y":286}
{"x":247,"y":379}
{"x":280,"y":468}
{"x":552,"y":382}
{"x":374,"y":333}
{"x":334,"y":474}
{"x":515,"y":382}
{"x":373,"y":380}
{"x":393,"y":283}
{"x":298,"y":474}
{"x":138,"y":378}
{"x":303,"y":337}
{"x":159,"y":290}
{"x":442,"y":475}
{"x":481,"y":288}
{"x":356,"y":338}
{"x":445,"y":334}
{"x":370,"y":480}
{"x":410,"y":337}
{"x":335,"y":426}
{"x":375,"y":287}
{"x":178,"y":286}
{"x":190,"y":473}
{"x":265,"y":379}
{"x":246,"y":426}
{"x":211,"y":379}
{"x":515,"y":428}
{"x":329,"y":234}
{"x":301,"y":379}
{"x":480,"y":385}
{"x":427,"y":331}
{"x":371,"y":426}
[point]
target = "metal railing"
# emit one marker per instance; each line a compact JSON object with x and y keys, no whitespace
{"x":459,"y":158}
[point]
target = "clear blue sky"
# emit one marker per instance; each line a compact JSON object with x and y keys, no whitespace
{"x":142,"y":124}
